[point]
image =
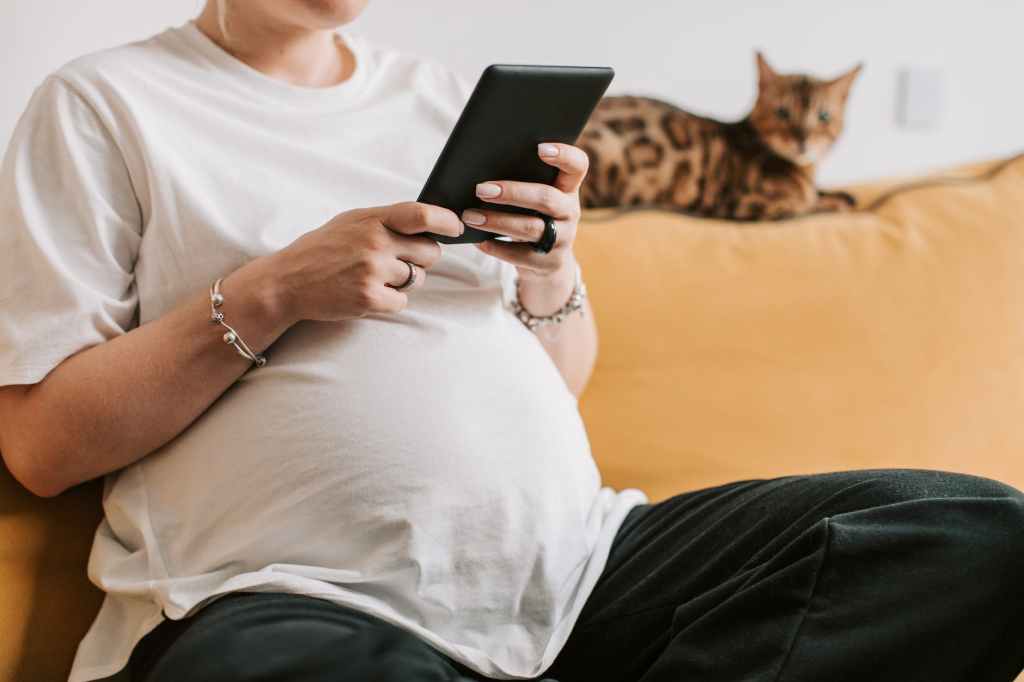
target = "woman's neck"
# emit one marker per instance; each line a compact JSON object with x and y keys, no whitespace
{"x":296,"y":55}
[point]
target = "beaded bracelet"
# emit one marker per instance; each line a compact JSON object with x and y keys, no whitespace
{"x":575,"y":302}
{"x":231,"y":336}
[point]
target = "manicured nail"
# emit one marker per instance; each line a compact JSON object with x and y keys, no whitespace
{"x":471,"y":217}
{"x":545,"y":149}
{"x":488,"y":189}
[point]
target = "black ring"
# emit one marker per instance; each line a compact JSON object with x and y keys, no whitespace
{"x":411,"y":279}
{"x":547,"y":240}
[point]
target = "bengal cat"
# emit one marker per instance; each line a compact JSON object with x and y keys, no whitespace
{"x":645,"y":152}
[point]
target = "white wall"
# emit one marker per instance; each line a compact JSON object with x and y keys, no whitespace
{"x":698,"y":54}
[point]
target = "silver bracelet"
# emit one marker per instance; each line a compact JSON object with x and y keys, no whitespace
{"x":575,"y":302}
{"x":231,"y":337}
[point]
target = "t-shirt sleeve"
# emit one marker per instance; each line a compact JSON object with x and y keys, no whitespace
{"x":70,"y":228}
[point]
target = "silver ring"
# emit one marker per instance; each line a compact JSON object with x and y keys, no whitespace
{"x":412,"y":277}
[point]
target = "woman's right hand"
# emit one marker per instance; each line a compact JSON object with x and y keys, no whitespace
{"x":348,"y":267}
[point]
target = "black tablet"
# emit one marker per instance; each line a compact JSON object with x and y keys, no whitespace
{"x":512,"y":109}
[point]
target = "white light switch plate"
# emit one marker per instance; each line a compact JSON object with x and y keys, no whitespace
{"x":920,"y":97}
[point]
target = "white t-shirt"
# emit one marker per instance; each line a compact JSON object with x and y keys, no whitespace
{"x":429,"y":467}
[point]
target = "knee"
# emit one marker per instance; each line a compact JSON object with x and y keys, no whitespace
{"x":985,"y":544}
{"x":888,"y":486}
{"x":972,"y":526}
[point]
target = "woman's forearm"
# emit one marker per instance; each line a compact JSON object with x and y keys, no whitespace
{"x":573,"y":347}
{"x":111,"y":404}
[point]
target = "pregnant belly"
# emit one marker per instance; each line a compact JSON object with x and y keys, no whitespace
{"x":386,"y":452}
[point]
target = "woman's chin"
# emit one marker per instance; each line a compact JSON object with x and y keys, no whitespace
{"x":334,"y":13}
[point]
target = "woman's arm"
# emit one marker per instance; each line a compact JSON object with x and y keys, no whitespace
{"x":110,"y":404}
{"x":573,"y":344}
{"x":113,"y":403}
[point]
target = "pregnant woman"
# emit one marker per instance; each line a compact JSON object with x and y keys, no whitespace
{"x":332,"y":450}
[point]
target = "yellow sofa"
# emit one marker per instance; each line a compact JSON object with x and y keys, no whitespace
{"x":892,"y":336}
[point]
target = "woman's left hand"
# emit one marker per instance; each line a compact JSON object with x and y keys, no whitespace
{"x":560,"y":201}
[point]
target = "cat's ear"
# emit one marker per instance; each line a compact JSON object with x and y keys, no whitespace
{"x":765,"y":72}
{"x":841,"y":85}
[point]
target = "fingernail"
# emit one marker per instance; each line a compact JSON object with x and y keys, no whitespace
{"x":545,"y":149}
{"x":471,"y":217}
{"x":488,"y":189}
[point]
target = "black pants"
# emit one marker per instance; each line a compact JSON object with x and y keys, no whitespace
{"x":877,"y":575}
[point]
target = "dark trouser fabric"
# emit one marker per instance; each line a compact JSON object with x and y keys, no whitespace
{"x":877,"y":575}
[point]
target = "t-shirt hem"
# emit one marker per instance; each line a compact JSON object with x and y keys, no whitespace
{"x":26,"y":374}
{"x":479,"y":660}
{"x":101,"y":672}
{"x":595,"y":568}
{"x":97,"y":673}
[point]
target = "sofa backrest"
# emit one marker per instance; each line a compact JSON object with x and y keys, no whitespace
{"x":887,"y":337}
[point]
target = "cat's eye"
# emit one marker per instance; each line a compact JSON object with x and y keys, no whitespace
{"x":824,"y":116}
{"x":783,"y":113}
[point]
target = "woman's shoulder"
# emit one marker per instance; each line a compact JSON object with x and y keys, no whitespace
{"x":108,"y":61}
{"x":103,"y":72}
{"x":422,"y":71}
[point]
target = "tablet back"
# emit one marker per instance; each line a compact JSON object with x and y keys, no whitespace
{"x":512,"y":109}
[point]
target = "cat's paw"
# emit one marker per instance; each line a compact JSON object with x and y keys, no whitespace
{"x":836,"y":201}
